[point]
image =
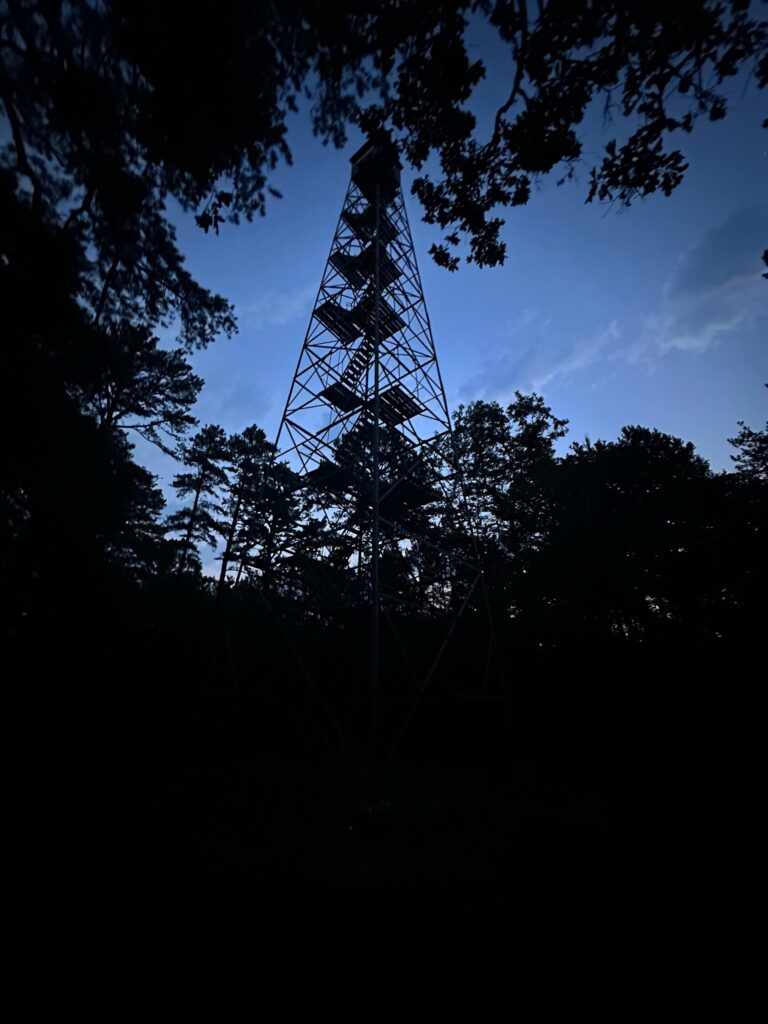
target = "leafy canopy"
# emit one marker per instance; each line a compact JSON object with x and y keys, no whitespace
{"x":115,"y":106}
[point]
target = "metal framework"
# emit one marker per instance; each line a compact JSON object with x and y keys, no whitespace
{"x":366,"y":425}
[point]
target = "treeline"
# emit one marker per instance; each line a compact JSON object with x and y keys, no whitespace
{"x":629,"y":539}
{"x":626,"y":540}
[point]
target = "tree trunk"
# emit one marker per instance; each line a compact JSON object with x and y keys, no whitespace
{"x":230,"y":540}
{"x":269,"y":576}
{"x":190,"y":528}
{"x":240,"y":568}
{"x":105,"y":288}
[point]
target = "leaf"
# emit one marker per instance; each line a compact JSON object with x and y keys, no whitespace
{"x":443,"y":258}
{"x":717,"y":110}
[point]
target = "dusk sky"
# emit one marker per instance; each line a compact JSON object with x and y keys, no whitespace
{"x":655,"y":315}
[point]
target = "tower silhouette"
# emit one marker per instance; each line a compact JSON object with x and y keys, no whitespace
{"x":366,"y":427}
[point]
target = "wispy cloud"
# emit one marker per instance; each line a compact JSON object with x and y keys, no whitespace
{"x":581,"y":353}
{"x":272,"y":309}
{"x":717,"y":290}
{"x":697,"y":323}
{"x":538,"y":357}
{"x":529,"y":319}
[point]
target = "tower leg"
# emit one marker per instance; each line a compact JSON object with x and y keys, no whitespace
{"x":376,"y":524}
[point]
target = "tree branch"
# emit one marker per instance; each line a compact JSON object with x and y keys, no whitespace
{"x":83,"y":207}
{"x":517,"y":90}
{"x":105,"y":288}
{"x":22,"y":161}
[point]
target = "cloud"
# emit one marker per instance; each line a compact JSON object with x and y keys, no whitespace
{"x":533,"y":365}
{"x":728,"y":252}
{"x":272,"y":309}
{"x":528,"y":319}
{"x":581,"y":353}
{"x":717,"y":289}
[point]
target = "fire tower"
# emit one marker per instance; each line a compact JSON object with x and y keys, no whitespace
{"x":367,"y":428}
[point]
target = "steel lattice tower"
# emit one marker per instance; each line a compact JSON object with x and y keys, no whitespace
{"x":367,"y":427}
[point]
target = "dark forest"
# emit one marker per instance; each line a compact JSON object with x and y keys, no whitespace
{"x":561,"y":740}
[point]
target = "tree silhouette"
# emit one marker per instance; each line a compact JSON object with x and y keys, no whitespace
{"x":79,"y":155}
{"x":632,"y":519}
{"x":204,"y":454}
{"x":409,"y":501}
{"x":103,"y":125}
{"x":73,"y":501}
{"x":258,"y":510}
{"x":500,"y":452}
{"x":274,"y":527}
{"x":744,"y":545}
{"x":134,"y":385}
{"x":751,"y":452}
{"x":506,"y":457}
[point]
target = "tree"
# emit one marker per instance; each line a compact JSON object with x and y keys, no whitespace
{"x":113,"y":107}
{"x":257,"y":505}
{"x":657,"y":67}
{"x":630,"y":546}
{"x":409,"y":501}
{"x":745,"y":513}
{"x":135,"y":541}
{"x":134,"y":385}
{"x":274,"y":528}
{"x":751,"y":452}
{"x":204,"y":454}
{"x":72,"y":99}
{"x":504,"y":456}
{"x":74,"y":505}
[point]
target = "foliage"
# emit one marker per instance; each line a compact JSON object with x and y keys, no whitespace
{"x":502,"y":454}
{"x":752,"y":452}
{"x":204,"y":455}
{"x":260,"y":509}
{"x":87,"y":151}
{"x":628,"y":541}
{"x":115,"y":107}
{"x":73,"y":501}
{"x":130,"y":383}
{"x":658,"y":67}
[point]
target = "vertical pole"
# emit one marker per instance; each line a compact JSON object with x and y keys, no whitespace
{"x":375,"y":585}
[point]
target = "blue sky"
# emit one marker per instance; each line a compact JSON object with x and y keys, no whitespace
{"x":656,"y":315}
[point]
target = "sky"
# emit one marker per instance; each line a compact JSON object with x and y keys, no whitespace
{"x":656,"y":315}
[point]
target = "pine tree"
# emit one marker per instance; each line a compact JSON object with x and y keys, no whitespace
{"x":131,"y":384}
{"x":247,"y":454}
{"x":204,"y":454}
{"x":274,"y":525}
{"x":751,"y":457}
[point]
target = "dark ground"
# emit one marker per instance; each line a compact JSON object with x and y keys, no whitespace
{"x":207,"y":851}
